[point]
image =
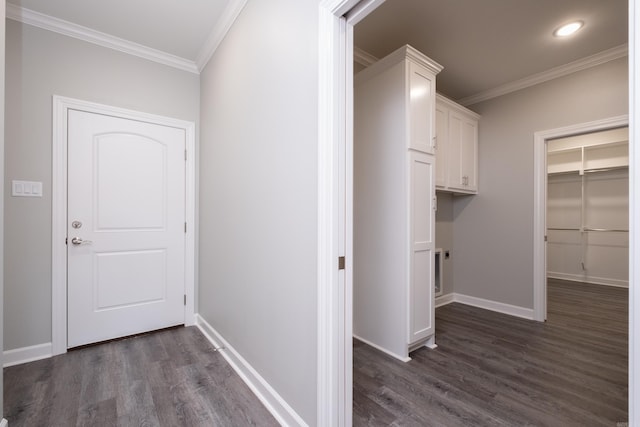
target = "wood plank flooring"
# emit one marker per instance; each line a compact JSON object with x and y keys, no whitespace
{"x":496,"y":370}
{"x":168,"y":378}
{"x":489,"y":370}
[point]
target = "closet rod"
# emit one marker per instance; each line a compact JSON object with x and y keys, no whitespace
{"x":611,"y":230}
{"x":563,"y":229}
{"x":594,"y":170}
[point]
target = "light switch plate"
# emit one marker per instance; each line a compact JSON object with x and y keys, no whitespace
{"x":26,"y":188}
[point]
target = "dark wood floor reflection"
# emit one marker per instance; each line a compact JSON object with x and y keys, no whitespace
{"x":168,"y":378}
{"x":496,"y":370}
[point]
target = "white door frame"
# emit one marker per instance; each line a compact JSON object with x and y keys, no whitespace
{"x":61,"y":106}
{"x":540,"y":201}
{"x":335,"y":186}
{"x":335,"y":210}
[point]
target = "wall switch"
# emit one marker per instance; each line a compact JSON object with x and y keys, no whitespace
{"x":26,"y":188}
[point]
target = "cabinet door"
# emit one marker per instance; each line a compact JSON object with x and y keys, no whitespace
{"x":454,"y":150}
{"x":442,"y":133}
{"x":469,"y":155}
{"x":422,"y":246}
{"x":421,"y":109}
{"x":462,"y":149}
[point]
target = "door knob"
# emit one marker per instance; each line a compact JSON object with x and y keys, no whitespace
{"x":79,"y":241}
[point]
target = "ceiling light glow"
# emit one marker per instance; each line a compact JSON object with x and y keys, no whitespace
{"x":568,"y":29}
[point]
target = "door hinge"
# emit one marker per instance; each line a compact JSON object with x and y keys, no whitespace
{"x":185,"y":227}
{"x":66,"y":240}
{"x":185,"y":155}
{"x":341,"y":263}
{"x":185,"y":299}
{"x":545,"y":238}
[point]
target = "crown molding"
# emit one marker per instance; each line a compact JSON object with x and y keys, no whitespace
{"x":220,"y":30}
{"x":46,"y":22}
{"x":545,"y":76}
{"x":363,"y":58}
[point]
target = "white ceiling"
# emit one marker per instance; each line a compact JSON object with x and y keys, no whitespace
{"x":484,"y":44}
{"x":180,"y":28}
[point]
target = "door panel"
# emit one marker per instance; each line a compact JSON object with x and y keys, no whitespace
{"x":121,"y":205}
{"x":126,"y":215}
{"x":422,"y":234}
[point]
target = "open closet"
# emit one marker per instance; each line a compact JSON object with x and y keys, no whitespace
{"x":587,"y":208}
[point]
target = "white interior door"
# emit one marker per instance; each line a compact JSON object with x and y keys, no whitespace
{"x":125,"y":227}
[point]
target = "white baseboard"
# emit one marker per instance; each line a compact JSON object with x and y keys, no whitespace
{"x":588,"y":279}
{"x":4,"y":423}
{"x":500,"y":307}
{"x":279,"y":408}
{"x":444,"y":300}
{"x":27,"y":354}
{"x":384,"y":350}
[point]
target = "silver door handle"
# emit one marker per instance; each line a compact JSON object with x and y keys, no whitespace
{"x":79,"y":241}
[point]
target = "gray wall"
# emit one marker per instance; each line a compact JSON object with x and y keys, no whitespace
{"x":258,"y":194}
{"x":493,"y":231}
{"x":444,"y":238}
{"x":2,"y":108}
{"x":40,"y":64}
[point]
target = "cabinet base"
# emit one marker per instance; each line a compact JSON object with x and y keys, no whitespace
{"x":428,"y":342}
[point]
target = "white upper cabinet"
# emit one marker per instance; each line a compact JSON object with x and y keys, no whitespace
{"x":421,"y":107}
{"x":442,"y":139}
{"x":456,"y":147}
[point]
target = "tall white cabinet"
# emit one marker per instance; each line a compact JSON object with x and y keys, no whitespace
{"x":394,"y":202}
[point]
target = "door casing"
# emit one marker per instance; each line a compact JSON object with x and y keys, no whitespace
{"x":540,"y":201}
{"x":61,"y":106}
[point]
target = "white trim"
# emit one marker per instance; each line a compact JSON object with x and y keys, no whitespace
{"x":500,"y":307}
{"x":60,"y":26}
{"x":22,"y":355}
{"x":384,"y":350}
{"x":363,"y":57}
{"x":545,"y":76}
{"x":61,"y":105}
{"x":220,"y":30}
{"x":4,"y":423}
{"x":634,"y":214}
{"x":540,"y":201}
{"x":445,"y":299}
{"x":283,"y":413}
{"x":331,"y":372}
{"x":335,"y":187}
{"x":593,"y":280}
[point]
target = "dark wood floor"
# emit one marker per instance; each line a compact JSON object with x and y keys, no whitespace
{"x":495,"y":370}
{"x":488,"y":370}
{"x":169,"y":378}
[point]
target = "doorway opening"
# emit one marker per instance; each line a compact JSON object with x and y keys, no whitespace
{"x":541,"y":139}
{"x":588,"y":208}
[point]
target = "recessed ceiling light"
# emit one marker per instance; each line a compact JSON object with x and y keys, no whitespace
{"x":568,"y":29}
